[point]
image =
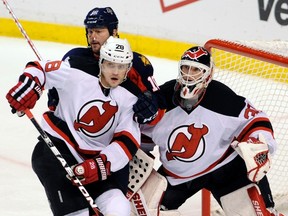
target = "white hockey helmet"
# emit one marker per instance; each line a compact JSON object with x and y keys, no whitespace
{"x":116,"y":50}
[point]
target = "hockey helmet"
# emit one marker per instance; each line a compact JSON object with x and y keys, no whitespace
{"x":101,"y":17}
{"x":116,"y":50}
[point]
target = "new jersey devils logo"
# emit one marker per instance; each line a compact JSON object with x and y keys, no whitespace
{"x":186,"y":143}
{"x":250,"y":111}
{"x":196,"y":54}
{"x":96,"y":117}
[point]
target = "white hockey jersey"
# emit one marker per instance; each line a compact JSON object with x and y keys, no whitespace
{"x":87,"y":120}
{"x":192,"y":144}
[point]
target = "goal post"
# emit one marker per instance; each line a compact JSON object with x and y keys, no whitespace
{"x":258,"y":71}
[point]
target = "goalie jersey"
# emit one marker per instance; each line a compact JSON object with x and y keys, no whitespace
{"x":194,"y":143}
{"x":88,"y":118}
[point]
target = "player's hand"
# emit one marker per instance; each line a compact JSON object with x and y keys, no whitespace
{"x":146,"y":108}
{"x":25,"y":94}
{"x":92,"y":170}
{"x":256,"y":155}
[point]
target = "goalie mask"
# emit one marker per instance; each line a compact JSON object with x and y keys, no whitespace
{"x":195,"y":73}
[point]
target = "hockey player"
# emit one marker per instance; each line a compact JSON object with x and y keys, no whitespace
{"x":92,"y":127}
{"x":212,"y":138}
{"x":100,"y":23}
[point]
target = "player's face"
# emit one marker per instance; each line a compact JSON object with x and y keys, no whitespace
{"x":113,"y":74}
{"x":190,"y":73}
{"x":97,"y":37}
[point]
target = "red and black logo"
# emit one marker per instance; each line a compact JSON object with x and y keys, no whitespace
{"x":186,"y":143}
{"x":195,"y":55}
{"x":96,"y":117}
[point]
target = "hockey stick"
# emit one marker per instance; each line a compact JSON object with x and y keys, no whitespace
{"x":63,"y":162}
{"x":44,"y":136}
{"x":22,"y":29}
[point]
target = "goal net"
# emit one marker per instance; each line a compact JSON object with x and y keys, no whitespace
{"x":259,"y":71}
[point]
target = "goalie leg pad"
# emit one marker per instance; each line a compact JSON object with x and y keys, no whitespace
{"x":140,"y":168}
{"x":244,"y":201}
{"x":152,"y":191}
{"x":139,"y":206}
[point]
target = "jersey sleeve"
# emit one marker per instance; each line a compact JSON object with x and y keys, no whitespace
{"x":79,"y":51}
{"x":49,"y":73}
{"x":256,"y":122}
{"x":126,"y":139}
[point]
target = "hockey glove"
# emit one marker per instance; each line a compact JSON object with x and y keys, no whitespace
{"x":92,"y":170}
{"x":146,"y":108}
{"x":256,"y":155}
{"x":25,"y":94}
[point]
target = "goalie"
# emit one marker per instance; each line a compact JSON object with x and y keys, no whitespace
{"x":212,"y":138}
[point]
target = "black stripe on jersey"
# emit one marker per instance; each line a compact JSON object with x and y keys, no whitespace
{"x":131,"y":146}
{"x":223,"y":100}
{"x":63,"y":127}
{"x":266,"y":124}
{"x":218,"y":98}
{"x":85,"y":64}
{"x":166,"y":92}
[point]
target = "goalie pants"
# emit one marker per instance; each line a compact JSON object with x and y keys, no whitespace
{"x":64,"y":197}
{"x":220,"y":182}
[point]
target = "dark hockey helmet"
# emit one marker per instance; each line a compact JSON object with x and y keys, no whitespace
{"x":195,"y":71}
{"x":101,"y":17}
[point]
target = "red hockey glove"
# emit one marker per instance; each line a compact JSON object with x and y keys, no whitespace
{"x":25,"y":94}
{"x":146,"y":108}
{"x":92,"y":170}
{"x":256,"y":155}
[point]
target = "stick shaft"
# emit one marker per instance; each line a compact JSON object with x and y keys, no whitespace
{"x":22,"y":29}
{"x":44,"y":136}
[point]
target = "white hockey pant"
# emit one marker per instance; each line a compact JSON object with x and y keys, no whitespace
{"x":110,"y":203}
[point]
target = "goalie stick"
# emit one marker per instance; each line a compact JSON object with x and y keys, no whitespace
{"x":44,"y":136}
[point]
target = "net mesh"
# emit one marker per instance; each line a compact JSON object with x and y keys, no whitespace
{"x":259,"y":71}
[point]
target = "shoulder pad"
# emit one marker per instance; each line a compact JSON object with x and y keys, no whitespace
{"x":86,"y":64}
{"x":79,"y":51}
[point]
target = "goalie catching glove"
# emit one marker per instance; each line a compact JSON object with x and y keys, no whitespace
{"x":25,"y":94}
{"x":146,"y":108}
{"x":92,"y":170}
{"x":256,"y":155}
